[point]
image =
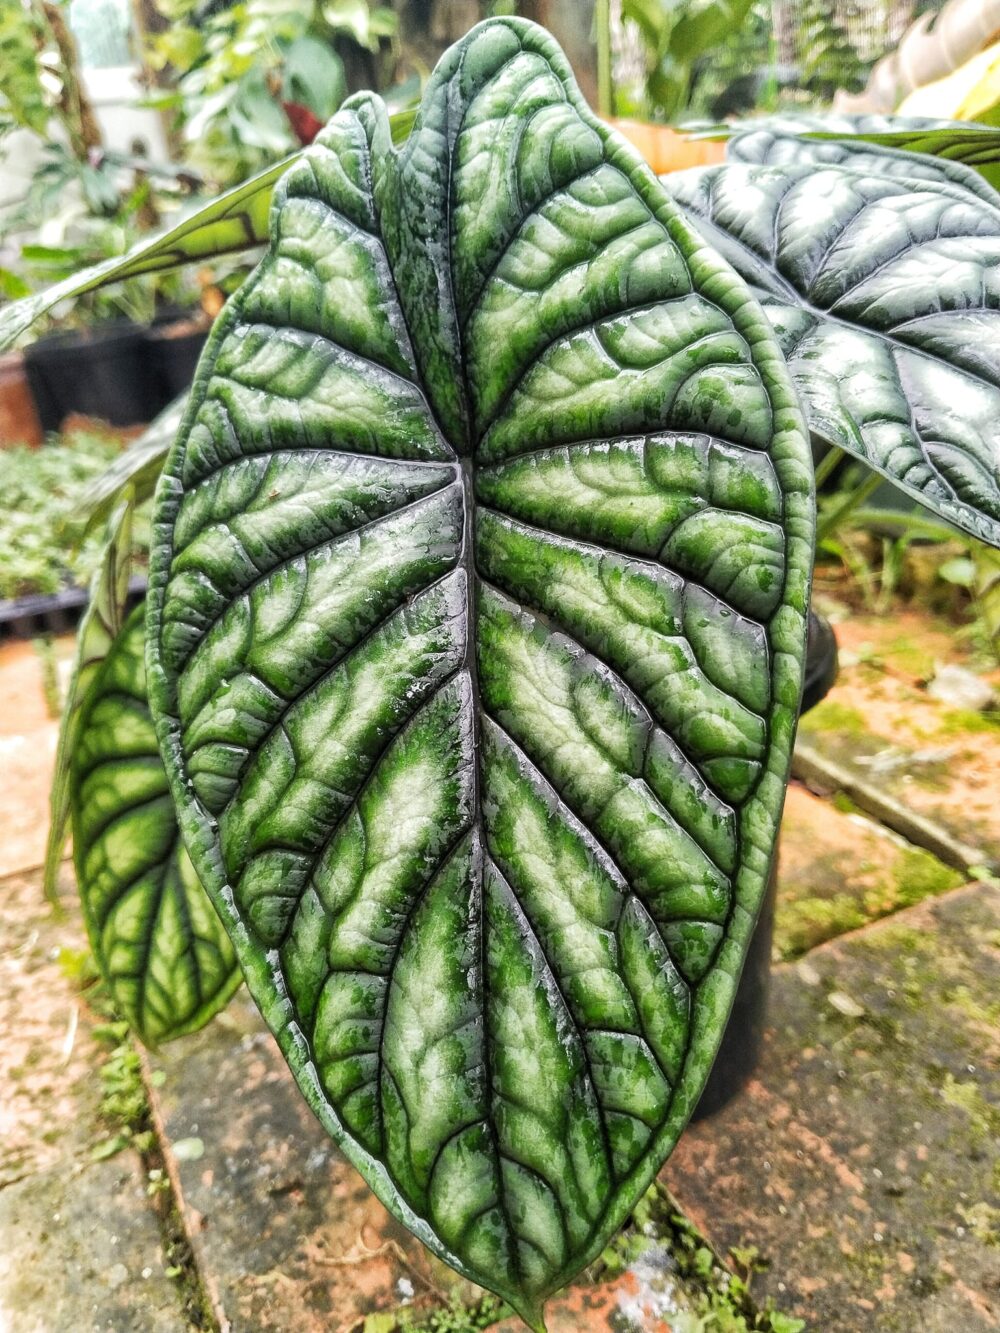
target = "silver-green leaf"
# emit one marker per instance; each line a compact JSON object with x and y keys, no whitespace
{"x":475,"y":639}
{"x":157,"y":939}
{"x":884,"y":292}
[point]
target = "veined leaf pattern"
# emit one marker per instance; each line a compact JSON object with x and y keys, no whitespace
{"x":772,"y":146}
{"x":99,"y":626}
{"x":475,"y":640}
{"x":885,"y":296}
{"x":158,"y":941}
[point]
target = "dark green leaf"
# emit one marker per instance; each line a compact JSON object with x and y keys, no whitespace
{"x":885,"y":295}
{"x":475,"y":645}
{"x":773,"y":147}
{"x":157,"y":939}
{"x":98,"y":629}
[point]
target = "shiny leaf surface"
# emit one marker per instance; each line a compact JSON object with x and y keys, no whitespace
{"x":99,"y":626}
{"x":476,"y":627}
{"x":774,"y":147}
{"x":885,"y":296}
{"x":158,"y":941}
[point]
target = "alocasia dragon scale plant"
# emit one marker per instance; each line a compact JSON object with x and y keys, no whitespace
{"x":476,"y":620}
{"x":475,"y":624}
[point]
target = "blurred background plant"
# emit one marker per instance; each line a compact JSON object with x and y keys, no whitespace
{"x":249,"y":82}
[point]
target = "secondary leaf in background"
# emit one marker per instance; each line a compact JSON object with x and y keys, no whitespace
{"x":236,"y":220}
{"x":158,"y":941}
{"x":769,"y":146}
{"x":475,"y":640}
{"x":977,"y":146}
{"x":885,"y":297}
{"x":98,"y":629}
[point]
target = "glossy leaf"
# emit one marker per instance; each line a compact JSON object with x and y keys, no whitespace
{"x":885,"y":295}
{"x":99,"y":626}
{"x":771,"y":146}
{"x":157,"y":939}
{"x":475,"y":639}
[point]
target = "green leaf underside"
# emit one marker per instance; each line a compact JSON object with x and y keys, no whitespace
{"x":884,"y":293}
{"x":99,"y":626}
{"x":236,"y":220}
{"x":158,"y":940}
{"x":475,"y":642}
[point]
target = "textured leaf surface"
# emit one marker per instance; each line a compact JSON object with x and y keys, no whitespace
{"x":774,"y":147}
{"x":99,"y":626}
{"x":157,"y":939}
{"x":885,"y":295}
{"x":974,"y":146}
{"x":476,"y":628}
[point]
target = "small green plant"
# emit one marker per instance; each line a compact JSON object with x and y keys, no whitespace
{"x":40,"y":550}
{"x":254,"y":81}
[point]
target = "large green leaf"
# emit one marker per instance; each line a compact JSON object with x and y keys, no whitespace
{"x":772,"y":146}
{"x":885,"y":295}
{"x":157,"y":939}
{"x":99,"y":627}
{"x":475,"y":637}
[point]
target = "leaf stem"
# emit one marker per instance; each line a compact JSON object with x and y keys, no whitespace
{"x":832,"y":520}
{"x":602,"y":19}
{"x":827,"y":464}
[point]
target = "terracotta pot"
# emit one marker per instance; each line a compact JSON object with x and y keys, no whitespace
{"x":19,"y":422}
{"x":669,"y":150}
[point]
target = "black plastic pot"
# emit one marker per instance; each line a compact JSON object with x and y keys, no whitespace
{"x":739,"y":1052}
{"x":54,"y":613}
{"x":101,"y":372}
{"x":173,"y":350}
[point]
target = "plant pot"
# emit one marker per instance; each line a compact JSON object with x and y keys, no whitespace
{"x":19,"y":422}
{"x":174,"y":349}
{"x":739,"y":1052}
{"x":54,"y":613}
{"x":102,"y":372}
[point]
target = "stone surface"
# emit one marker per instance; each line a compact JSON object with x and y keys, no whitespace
{"x":80,"y":1252}
{"x":289,"y":1232}
{"x":942,"y":762}
{"x":864,"y":1159}
{"x":80,"y":1246}
{"x":839,"y":869}
{"x":28,"y":737}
